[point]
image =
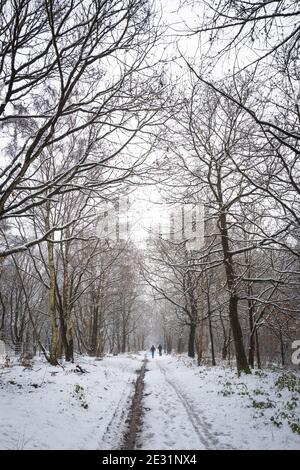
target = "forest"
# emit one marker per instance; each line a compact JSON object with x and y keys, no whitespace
{"x":106,"y":101}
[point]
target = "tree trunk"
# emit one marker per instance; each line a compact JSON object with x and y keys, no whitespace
{"x":124,"y":337}
{"x":51,"y":293}
{"x":179,"y":345}
{"x":257,"y":349}
{"x":69,"y":352}
{"x":252,"y":335}
{"x":67,"y":308}
{"x":211,"y":337}
{"x":199,"y":342}
{"x":124,"y":324}
{"x":229,"y":346}
{"x":52,"y":306}
{"x":224,"y":349}
{"x":168,"y":343}
{"x":94,"y":333}
{"x":101,"y":344}
{"x":241,"y":359}
{"x":191,"y":345}
{"x":226,"y":339}
{"x":282,"y":352}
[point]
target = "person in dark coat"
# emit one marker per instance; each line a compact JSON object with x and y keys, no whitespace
{"x":159,"y":349}
{"x":152,"y":349}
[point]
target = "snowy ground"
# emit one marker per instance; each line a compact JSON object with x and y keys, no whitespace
{"x":185,"y":407}
{"x":45,"y":408}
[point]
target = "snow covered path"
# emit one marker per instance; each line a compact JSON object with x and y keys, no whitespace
{"x":170,"y":421}
{"x":188,"y":407}
{"x":183,"y":406}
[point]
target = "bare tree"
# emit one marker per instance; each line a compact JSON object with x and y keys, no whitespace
{"x":70,"y":72}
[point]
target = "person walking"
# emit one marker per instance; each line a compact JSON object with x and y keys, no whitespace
{"x":152,"y":349}
{"x":159,"y":349}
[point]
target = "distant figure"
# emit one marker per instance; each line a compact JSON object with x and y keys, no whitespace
{"x":159,"y":349}
{"x":152,"y":349}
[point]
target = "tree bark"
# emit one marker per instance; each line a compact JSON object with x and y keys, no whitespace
{"x":191,"y":344}
{"x":252,"y":335}
{"x":67,"y":331}
{"x":199,"y":342}
{"x":241,"y":359}
{"x":257,"y":349}
{"x":282,"y":352}
{"x":52,"y":306}
{"x":211,"y":336}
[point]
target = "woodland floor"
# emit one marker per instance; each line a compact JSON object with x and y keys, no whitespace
{"x":167,"y":403}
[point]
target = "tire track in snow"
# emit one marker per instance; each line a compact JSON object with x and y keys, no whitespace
{"x":113,"y":434}
{"x":189,"y":411}
{"x":167,"y":423}
{"x":209,"y":440}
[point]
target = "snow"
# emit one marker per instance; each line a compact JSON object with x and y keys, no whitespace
{"x":186,"y":407}
{"x":52,"y":416}
{"x":191,"y":407}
